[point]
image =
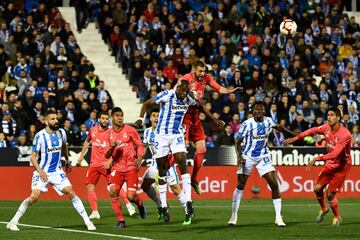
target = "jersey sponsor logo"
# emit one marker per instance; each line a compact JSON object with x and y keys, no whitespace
{"x":261,"y":137}
{"x":179,"y":107}
{"x":98,"y":143}
{"x":54,"y":149}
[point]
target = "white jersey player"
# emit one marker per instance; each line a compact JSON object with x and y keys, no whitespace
{"x":48,"y":146}
{"x":252,"y":151}
{"x":152,"y":172}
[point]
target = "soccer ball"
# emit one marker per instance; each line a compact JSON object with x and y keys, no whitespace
{"x":288,"y":27}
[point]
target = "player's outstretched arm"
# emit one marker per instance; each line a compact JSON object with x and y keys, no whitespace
{"x":144,"y":107}
{"x":225,"y":90}
{"x":218,"y":122}
{"x":283,"y":129}
{"x":84,"y":148}
{"x":309,"y":132}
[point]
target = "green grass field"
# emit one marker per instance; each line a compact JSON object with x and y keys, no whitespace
{"x":256,"y":221}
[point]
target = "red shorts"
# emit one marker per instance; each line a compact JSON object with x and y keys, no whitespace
{"x":334,"y":179}
{"x":93,"y":174}
{"x":131,"y":178}
{"x":194,"y":129}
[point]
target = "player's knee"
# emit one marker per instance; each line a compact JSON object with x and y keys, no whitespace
{"x":131,"y":196}
{"x":90,"y":187}
{"x":318,"y":188}
{"x":201,"y":150}
{"x":34,"y":197}
{"x":176,"y":189}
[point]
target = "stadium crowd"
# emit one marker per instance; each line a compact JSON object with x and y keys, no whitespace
{"x":298,"y":78}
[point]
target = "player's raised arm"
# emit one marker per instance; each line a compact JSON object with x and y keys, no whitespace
{"x":219,"y":88}
{"x":283,"y":129}
{"x":218,"y":122}
{"x":309,"y":132}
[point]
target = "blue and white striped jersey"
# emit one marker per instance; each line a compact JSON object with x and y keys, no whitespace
{"x":172,"y":112}
{"x":255,"y":136}
{"x":48,"y":147}
{"x":149,"y":140}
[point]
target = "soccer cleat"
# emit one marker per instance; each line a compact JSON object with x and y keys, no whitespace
{"x":279,"y":222}
{"x":142,"y":211}
{"x":12,"y":226}
{"x":131,"y":209}
{"x":336,"y":221}
{"x":233,"y":220}
{"x":188,"y":220}
{"x":166,"y":214}
{"x":94,"y":215}
{"x":120,"y":224}
{"x":90,"y":226}
{"x":321,"y":215}
{"x":196,"y":187}
{"x":160,"y":214}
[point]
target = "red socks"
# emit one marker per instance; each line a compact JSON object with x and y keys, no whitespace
{"x":123,"y":196}
{"x":334,"y":205}
{"x":92,"y":200}
{"x":198,"y":160}
{"x":321,"y":200}
{"x":115,"y":204}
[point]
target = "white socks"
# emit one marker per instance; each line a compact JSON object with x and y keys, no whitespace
{"x":277,"y":206}
{"x":21,"y":211}
{"x":182,"y":198}
{"x":186,"y":185}
{"x":153,"y":195}
{"x":162,"y":194}
{"x":237,"y":195}
{"x":79,"y":206}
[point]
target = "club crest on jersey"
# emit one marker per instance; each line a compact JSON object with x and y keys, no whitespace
{"x":58,"y":135}
{"x":125,"y":135}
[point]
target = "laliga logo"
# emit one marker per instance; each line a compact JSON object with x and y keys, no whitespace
{"x":283,"y":185}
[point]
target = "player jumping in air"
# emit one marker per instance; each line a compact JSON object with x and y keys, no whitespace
{"x":194,"y":131}
{"x":126,"y":151}
{"x":99,"y":138}
{"x":337,"y":163}
{"x":48,"y":146}
{"x":170,"y":137}
{"x":252,"y":151}
{"x":152,"y":172}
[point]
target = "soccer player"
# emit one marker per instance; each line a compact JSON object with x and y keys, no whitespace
{"x":49,"y":144}
{"x":337,"y":163}
{"x":170,"y":137}
{"x":255,"y":153}
{"x":194,"y":131}
{"x":126,"y":151}
{"x":99,"y":136}
{"x":152,"y":172}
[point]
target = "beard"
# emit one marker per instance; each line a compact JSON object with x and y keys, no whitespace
{"x":104,"y":126}
{"x":54,"y":127}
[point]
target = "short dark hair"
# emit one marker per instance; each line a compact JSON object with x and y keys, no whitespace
{"x":336,"y":111}
{"x":47,"y":113}
{"x":116,"y":109}
{"x":154,"y":110}
{"x":198,"y":63}
{"x":103,"y":113}
{"x":259,"y":104}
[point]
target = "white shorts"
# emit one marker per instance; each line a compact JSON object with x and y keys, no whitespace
{"x":263,"y":165}
{"x":172,"y":142}
{"x":58,"y":181}
{"x":172,"y":177}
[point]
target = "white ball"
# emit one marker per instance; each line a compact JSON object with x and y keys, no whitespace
{"x":288,"y":27}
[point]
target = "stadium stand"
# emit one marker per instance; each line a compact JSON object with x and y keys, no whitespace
{"x":297,"y":78}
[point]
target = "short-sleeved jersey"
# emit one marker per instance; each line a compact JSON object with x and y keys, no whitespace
{"x":48,"y":147}
{"x":338,"y":144}
{"x":129,"y":149}
{"x":172,"y":112}
{"x":100,"y":143}
{"x":255,"y":136}
{"x":149,"y":140}
{"x":200,"y":86}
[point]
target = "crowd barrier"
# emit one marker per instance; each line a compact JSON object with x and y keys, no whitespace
{"x":218,"y":175}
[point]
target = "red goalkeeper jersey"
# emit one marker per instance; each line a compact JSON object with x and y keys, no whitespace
{"x":338,"y":144}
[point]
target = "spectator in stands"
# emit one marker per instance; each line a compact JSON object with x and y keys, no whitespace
{"x":3,"y":142}
{"x":91,"y":81}
{"x":70,"y":134}
{"x":82,"y":135}
{"x":235,"y":123}
{"x":9,"y":128}
{"x":91,"y":121}
{"x":103,"y":95}
{"x":226,"y":137}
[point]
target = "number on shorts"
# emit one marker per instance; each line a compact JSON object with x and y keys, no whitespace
{"x":63,"y":176}
{"x":266,"y":160}
{"x":36,"y":178}
{"x":180,"y":139}
{"x":156,"y":145}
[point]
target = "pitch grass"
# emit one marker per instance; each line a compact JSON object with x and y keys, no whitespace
{"x":256,"y":221}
